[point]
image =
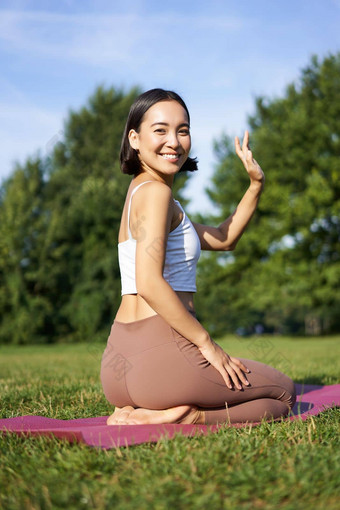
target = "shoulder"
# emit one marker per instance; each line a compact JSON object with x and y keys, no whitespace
{"x":153,"y":193}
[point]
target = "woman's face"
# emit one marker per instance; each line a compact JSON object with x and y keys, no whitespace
{"x":164,"y":138}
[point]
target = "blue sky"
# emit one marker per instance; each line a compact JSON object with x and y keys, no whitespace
{"x":219,"y":55}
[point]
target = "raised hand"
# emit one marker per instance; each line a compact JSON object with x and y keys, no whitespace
{"x":246,"y":156}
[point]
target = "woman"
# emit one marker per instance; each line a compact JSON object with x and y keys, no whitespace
{"x":160,"y":365}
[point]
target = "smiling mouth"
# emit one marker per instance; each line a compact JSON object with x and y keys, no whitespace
{"x":170,"y":157}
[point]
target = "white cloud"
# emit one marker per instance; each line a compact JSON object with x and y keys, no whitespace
{"x":93,"y":39}
{"x":99,"y":39}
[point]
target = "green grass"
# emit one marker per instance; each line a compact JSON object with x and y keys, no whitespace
{"x":290,"y":465}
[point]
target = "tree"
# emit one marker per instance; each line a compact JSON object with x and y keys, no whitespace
{"x":285,"y":270}
{"x":84,"y":196}
{"x":21,"y":228}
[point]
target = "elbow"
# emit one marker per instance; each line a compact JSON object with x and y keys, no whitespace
{"x":230,"y":246}
{"x":226,"y":240}
{"x":145,"y":295}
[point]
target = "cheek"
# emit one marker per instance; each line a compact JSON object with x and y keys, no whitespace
{"x":151,"y":143}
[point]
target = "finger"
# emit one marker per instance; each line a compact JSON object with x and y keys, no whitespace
{"x":241,"y":375}
{"x":240,"y":364}
{"x":242,"y":379}
{"x":226,"y":377}
{"x":246,"y":150}
{"x":234,"y":377}
{"x":225,"y":371}
{"x":237,"y":144}
{"x":249,"y":156}
{"x":238,"y":148}
{"x":245,"y":145}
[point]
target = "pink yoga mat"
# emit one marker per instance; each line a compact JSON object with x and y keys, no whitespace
{"x":311,"y":400}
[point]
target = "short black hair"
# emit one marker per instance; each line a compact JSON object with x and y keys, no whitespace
{"x":128,"y":156}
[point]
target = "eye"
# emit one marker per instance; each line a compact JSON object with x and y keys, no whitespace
{"x":184,"y":132}
{"x":159,"y":130}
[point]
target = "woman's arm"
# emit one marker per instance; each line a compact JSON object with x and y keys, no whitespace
{"x":153,"y":207}
{"x":225,"y":236}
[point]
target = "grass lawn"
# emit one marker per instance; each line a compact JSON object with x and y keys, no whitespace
{"x":291,"y":465}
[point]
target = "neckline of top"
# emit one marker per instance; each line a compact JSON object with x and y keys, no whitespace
{"x":171,"y":232}
{"x":131,"y":195}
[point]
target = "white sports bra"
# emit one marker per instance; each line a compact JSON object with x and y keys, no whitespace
{"x":182,"y":253}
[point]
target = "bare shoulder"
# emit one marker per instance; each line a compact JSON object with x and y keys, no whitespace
{"x":155,"y":187}
{"x":153,"y":193}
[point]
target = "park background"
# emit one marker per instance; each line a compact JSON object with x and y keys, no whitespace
{"x":70,"y":71}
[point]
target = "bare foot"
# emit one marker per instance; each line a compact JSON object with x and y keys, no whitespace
{"x":119,"y":415}
{"x":179,"y":414}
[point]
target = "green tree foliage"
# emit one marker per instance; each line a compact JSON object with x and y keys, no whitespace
{"x":23,"y":309}
{"x":285,"y":271}
{"x":59,"y":224}
{"x":85,"y":195}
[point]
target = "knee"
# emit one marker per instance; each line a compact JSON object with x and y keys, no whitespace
{"x":290,"y":393}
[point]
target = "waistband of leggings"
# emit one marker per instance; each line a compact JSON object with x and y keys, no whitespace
{"x":151,"y":318}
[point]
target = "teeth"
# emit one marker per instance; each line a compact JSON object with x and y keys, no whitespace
{"x":170,"y":156}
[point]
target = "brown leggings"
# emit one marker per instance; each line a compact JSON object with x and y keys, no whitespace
{"x":148,"y":364}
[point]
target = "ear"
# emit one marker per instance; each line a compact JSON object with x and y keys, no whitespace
{"x":134,"y":139}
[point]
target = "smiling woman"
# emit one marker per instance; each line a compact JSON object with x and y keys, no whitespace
{"x":130,"y":162}
{"x":160,"y":365}
{"x":163,"y":145}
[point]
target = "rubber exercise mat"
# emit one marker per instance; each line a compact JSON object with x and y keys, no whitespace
{"x":311,"y":400}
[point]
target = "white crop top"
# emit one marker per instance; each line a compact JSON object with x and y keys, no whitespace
{"x":182,"y":253}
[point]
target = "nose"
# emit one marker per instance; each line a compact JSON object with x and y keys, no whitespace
{"x":173,"y":140}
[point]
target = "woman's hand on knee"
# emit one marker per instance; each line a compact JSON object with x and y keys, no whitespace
{"x":231,"y":369}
